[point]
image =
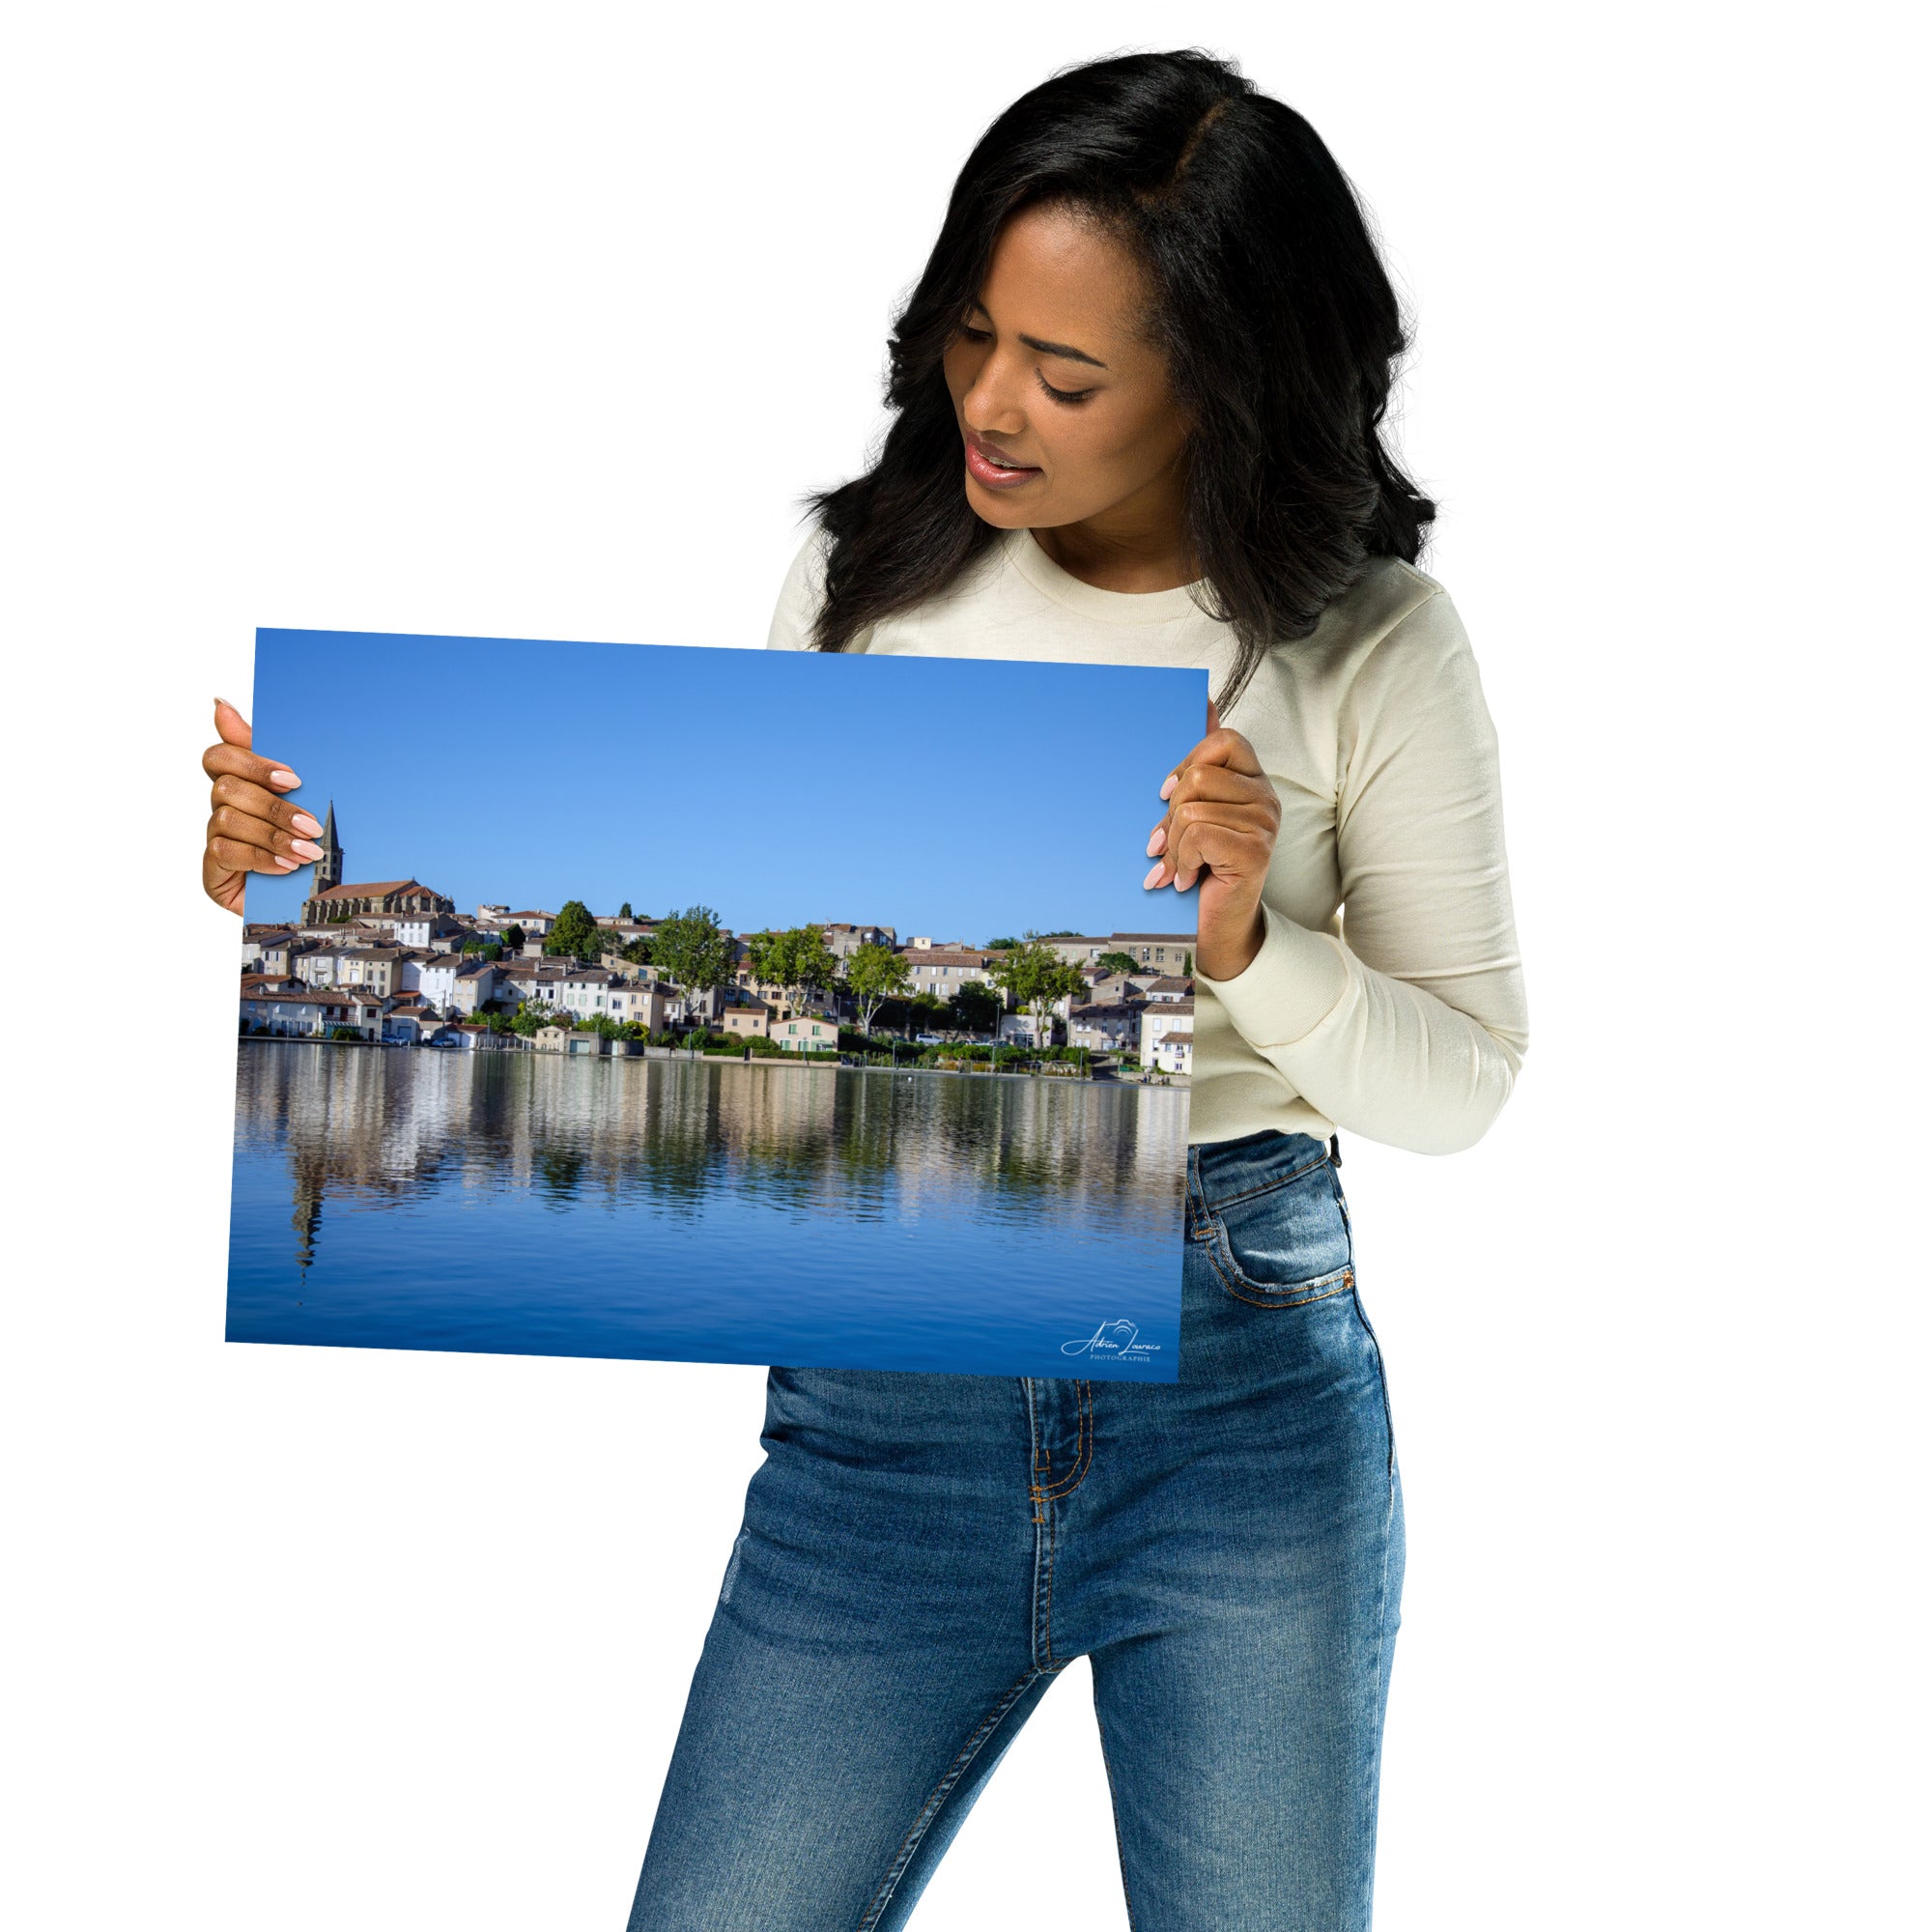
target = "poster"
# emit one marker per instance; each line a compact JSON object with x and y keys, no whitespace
{"x":713,"y":1005}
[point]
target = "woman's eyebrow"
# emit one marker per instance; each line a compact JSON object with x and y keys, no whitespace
{"x":1064,"y":349}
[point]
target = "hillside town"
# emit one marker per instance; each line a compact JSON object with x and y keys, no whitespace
{"x":392,"y":962}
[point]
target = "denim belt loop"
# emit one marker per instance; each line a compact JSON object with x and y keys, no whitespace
{"x":1335,"y":1150}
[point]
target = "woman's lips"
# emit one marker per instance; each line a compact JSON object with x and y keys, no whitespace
{"x":995,"y":474}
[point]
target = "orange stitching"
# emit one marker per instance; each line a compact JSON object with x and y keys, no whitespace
{"x":1083,"y":1449}
{"x":1235,"y":1286}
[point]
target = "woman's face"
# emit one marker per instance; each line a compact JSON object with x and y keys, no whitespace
{"x":1049,"y":373}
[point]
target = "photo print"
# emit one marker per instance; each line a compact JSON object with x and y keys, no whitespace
{"x":716,"y":1005}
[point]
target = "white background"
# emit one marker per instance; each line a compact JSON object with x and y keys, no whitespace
{"x":536,"y":321}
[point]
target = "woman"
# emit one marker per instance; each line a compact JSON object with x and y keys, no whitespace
{"x":1137,"y":396}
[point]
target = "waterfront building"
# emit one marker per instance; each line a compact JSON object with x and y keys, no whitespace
{"x":1159,"y":1019}
{"x":746,"y":1018}
{"x":1174,"y":1052}
{"x":806,"y":1032}
{"x":569,"y":1040}
{"x":313,"y":1011}
{"x":1022,"y":1029}
{"x":1111,"y":1028}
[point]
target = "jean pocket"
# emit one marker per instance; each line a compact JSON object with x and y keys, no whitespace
{"x":1287,"y":1244}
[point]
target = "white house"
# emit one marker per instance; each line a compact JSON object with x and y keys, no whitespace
{"x":806,"y":1032}
{"x":1020,"y":1029}
{"x":589,"y":990}
{"x":314,"y":1011}
{"x":1174,"y":1052}
{"x":455,"y":984}
{"x":1159,"y":1019}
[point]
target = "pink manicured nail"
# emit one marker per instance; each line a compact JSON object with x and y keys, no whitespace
{"x":301,"y":822}
{"x":306,"y":848}
{"x":287,"y":865}
{"x":1154,"y":875}
{"x":286,"y":780}
{"x":1173,"y":779}
{"x":1158,"y":841}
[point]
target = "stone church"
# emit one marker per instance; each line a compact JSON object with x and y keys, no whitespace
{"x":330,"y":899}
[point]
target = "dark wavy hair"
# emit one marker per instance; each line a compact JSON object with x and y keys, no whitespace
{"x":1270,"y":302}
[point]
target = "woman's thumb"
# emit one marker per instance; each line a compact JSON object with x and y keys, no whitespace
{"x":232,"y":728}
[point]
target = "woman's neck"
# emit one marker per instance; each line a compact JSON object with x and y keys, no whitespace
{"x":1139,"y":544}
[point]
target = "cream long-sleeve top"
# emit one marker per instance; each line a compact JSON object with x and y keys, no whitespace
{"x":1387,"y":998}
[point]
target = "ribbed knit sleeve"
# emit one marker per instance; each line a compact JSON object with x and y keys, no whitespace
{"x":1412,"y":1026}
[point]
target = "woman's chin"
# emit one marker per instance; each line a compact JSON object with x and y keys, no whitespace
{"x":996,"y":508}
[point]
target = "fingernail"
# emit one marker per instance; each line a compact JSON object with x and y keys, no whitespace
{"x":286,"y":780}
{"x":1154,"y":875}
{"x":287,"y":865}
{"x":301,"y":822}
{"x":306,"y":849}
{"x":1169,"y":786}
{"x":1158,"y":841}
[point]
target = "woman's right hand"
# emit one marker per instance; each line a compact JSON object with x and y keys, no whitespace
{"x":252,"y":828}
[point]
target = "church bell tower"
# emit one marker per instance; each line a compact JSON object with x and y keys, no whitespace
{"x":328,"y":867}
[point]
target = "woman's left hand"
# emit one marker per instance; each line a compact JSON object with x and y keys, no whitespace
{"x":1222,"y":817}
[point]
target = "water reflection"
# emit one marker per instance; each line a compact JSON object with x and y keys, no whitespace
{"x":680,"y":1138}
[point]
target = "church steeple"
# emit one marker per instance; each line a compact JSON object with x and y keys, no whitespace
{"x":328,"y":867}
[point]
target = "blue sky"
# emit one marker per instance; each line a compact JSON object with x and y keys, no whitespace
{"x":961,"y":798}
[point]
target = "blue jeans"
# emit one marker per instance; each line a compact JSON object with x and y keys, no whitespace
{"x":922,"y":1554}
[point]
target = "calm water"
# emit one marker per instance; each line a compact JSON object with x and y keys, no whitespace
{"x":525,"y":1203}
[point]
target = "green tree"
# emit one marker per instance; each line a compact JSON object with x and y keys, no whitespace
{"x":875,"y":974}
{"x":638,"y":953}
{"x":624,"y":911}
{"x":1187,"y":965}
{"x":1035,"y":976}
{"x":977,"y":1007}
{"x":1000,"y":945}
{"x":796,"y":959}
{"x":693,"y":951}
{"x":514,"y":938}
{"x":573,"y":932}
{"x":1110,"y":963}
{"x":532,"y":1015}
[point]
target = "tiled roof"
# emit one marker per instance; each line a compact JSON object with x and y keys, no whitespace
{"x":380,"y":888}
{"x":333,"y":995}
